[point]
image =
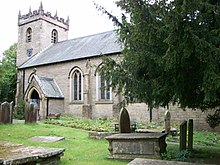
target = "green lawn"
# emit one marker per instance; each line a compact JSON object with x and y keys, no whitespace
{"x":79,"y":149}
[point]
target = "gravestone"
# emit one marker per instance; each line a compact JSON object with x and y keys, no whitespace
{"x":11,"y":111}
{"x":190,"y":135}
{"x":167,"y":122}
{"x":124,"y":121}
{"x":5,"y":113}
{"x":30,"y":113}
{"x":183,"y":134}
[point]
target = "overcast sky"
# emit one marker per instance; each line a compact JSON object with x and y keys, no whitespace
{"x":84,"y":17}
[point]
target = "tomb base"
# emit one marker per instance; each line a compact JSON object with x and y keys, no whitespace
{"x":136,"y":145}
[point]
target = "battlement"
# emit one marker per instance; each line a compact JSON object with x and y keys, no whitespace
{"x":40,"y":14}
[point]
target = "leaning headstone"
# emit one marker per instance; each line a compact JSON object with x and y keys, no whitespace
{"x":124,"y":121}
{"x":183,"y":134}
{"x":167,"y":122}
{"x":5,"y":114}
{"x":190,"y":135}
{"x":30,"y":113}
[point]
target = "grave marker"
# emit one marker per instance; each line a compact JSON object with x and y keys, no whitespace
{"x":124,"y":121}
{"x":167,"y":122}
{"x":30,"y":113}
{"x":190,"y":135}
{"x":5,"y":113}
{"x":11,"y":111}
{"x":183,"y":133}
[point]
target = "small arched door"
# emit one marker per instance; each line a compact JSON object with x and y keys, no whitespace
{"x":35,"y":99}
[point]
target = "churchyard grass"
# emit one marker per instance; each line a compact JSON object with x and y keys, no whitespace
{"x":206,"y":144}
{"x":79,"y":149}
{"x":82,"y":150}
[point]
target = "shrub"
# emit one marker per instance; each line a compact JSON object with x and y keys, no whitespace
{"x":20,"y":110}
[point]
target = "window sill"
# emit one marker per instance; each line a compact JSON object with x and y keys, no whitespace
{"x":104,"y":102}
{"x":77,"y":102}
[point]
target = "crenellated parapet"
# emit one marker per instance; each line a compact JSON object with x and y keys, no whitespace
{"x":40,"y":14}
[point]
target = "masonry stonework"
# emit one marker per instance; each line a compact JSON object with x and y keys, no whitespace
{"x":90,"y":106}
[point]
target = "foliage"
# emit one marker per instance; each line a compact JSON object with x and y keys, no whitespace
{"x":183,"y":155}
{"x":86,"y":124}
{"x":171,"y":53}
{"x":201,"y":138}
{"x":20,"y":110}
{"x":8,"y":75}
{"x":214,"y":120}
{"x":97,"y":125}
{"x":200,"y":154}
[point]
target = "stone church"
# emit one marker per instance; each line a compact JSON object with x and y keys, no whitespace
{"x":60,"y":75}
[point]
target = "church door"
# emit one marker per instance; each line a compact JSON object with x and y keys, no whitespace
{"x":35,"y":99}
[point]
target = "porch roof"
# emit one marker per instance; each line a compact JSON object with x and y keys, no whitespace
{"x":49,"y":87}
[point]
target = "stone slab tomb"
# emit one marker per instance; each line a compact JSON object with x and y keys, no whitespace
{"x":14,"y":154}
{"x":136,"y":145}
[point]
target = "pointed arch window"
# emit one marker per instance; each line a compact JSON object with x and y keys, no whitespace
{"x":76,"y":85}
{"x":54,"y":36}
{"x":29,"y":35}
{"x":103,"y":91}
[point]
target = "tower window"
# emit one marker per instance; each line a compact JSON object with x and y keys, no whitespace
{"x":54,"y":36}
{"x":29,"y":35}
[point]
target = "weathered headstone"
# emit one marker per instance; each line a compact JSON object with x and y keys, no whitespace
{"x":30,"y":113}
{"x":11,"y":111}
{"x":124,"y":121}
{"x":5,"y":113}
{"x":167,"y":122}
{"x":190,"y":135}
{"x":183,"y":134}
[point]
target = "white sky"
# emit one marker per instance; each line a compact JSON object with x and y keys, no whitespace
{"x":85,"y":19}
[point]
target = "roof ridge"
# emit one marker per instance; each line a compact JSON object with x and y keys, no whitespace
{"x":90,"y":35}
{"x":77,"y":48}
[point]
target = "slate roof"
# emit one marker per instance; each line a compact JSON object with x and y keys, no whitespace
{"x":83,"y":47}
{"x":49,"y":87}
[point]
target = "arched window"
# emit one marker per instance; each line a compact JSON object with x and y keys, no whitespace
{"x":29,"y":35}
{"x":54,"y":36}
{"x":103,"y":91}
{"x":76,"y":85}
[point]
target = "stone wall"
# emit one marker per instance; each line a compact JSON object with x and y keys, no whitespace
{"x":140,"y":112}
{"x":55,"y":106}
{"x":106,"y":109}
{"x":60,"y":72}
{"x":179,"y":115}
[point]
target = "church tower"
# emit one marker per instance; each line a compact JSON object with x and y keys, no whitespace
{"x":37,"y":30}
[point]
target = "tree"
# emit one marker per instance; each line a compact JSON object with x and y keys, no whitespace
{"x":171,"y":53}
{"x":8,"y":74}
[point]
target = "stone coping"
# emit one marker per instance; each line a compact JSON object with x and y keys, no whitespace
{"x":136,"y":136}
{"x":46,"y":139}
{"x":18,"y":154}
{"x":99,"y":135}
{"x":141,"y":161}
